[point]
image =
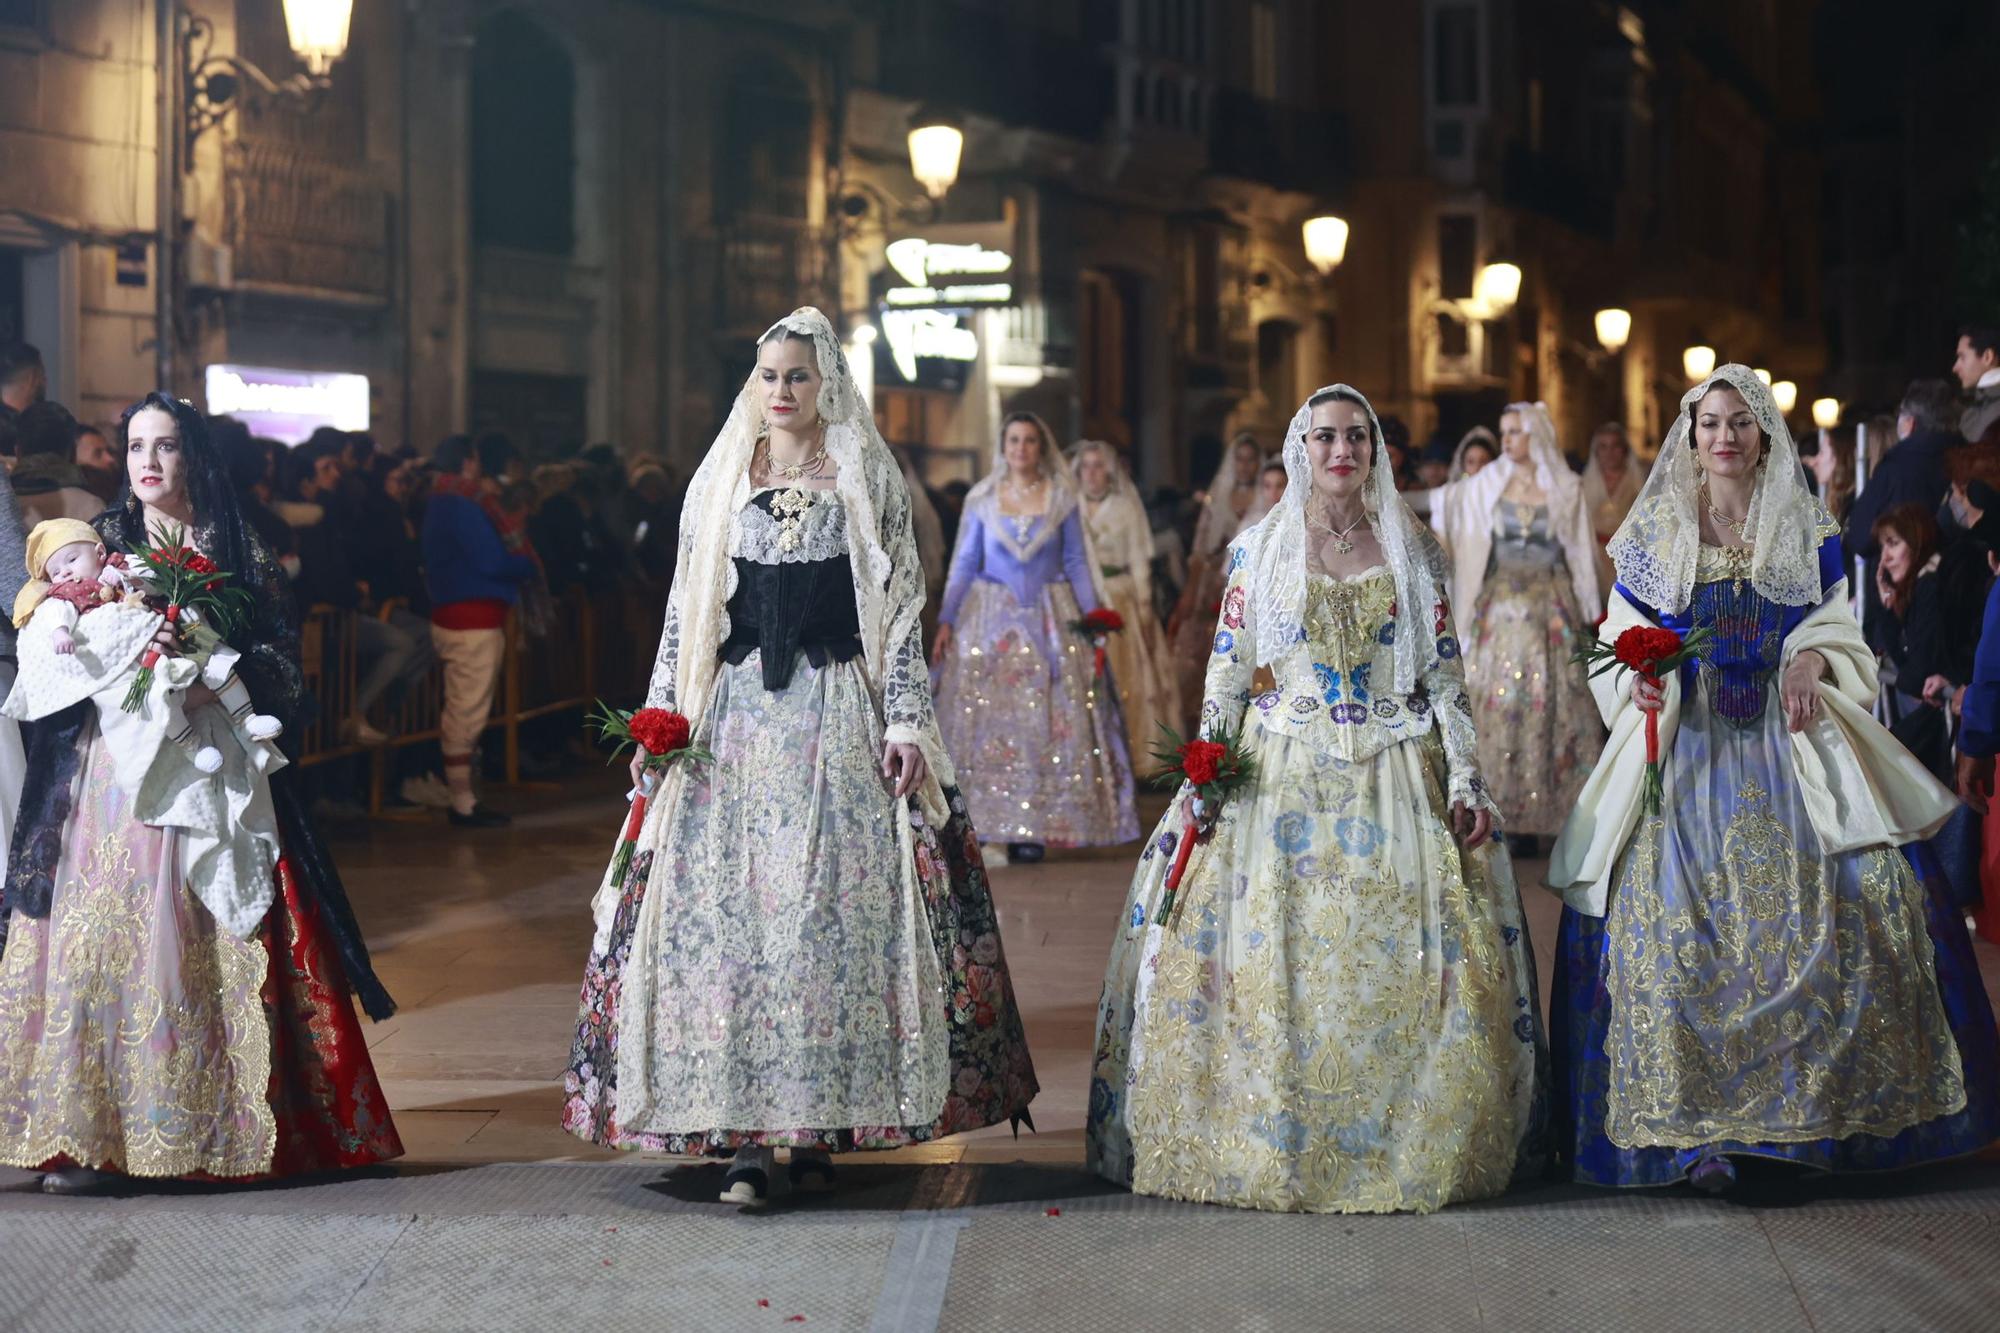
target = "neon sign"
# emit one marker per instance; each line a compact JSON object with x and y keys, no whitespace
{"x":949,"y":273}
{"x":936,"y":334}
{"x":287,"y":404}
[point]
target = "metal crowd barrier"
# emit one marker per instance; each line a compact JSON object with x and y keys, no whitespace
{"x":599,"y":646}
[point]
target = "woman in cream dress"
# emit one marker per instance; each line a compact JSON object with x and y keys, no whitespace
{"x":1339,"y":1016}
{"x":1121,"y":542}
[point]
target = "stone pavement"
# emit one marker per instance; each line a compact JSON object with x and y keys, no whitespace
{"x":498,"y":1220}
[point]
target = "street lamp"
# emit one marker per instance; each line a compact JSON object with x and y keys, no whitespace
{"x":936,"y":143}
{"x":1698,"y":361}
{"x":1826,"y":413}
{"x":212,"y":83}
{"x":1763,"y":375}
{"x":1326,"y":242}
{"x":1614,"y":329}
{"x":318,"y":32}
{"x":1496,"y":288}
{"x":1786,"y":395}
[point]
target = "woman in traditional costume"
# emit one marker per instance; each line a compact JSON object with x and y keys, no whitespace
{"x":1771,"y":966}
{"x":802,"y":951}
{"x":1232,"y":496}
{"x":1476,"y":448}
{"x":140,"y":1034}
{"x":1037,"y":733}
{"x":1121,"y":544}
{"x":1524,"y":562}
{"x":1338,"y":1014}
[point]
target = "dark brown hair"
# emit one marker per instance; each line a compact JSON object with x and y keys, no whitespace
{"x":1916,"y":529}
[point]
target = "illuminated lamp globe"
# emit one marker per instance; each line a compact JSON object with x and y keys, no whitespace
{"x":1614,"y":329}
{"x":1786,"y":395}
{"x":1826,"y":413}
{"x":864,"y":334}
{"x":1497,"y":287}
{"x":318,"y":32}
{"x":1326,"y":242}
{"x":1698,"y":361}
{"x":1763,"y":375}
{"x":936,"y":143}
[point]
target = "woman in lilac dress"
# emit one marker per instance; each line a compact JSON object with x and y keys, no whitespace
{"x":1036,"y":732}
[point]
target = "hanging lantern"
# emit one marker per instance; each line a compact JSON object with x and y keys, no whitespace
{"x":1326,"y":242}
{"x":1698,"y":361}
{"x":317,"y":30}
{"x":936,"y":143}
{"x":1614,"y":329}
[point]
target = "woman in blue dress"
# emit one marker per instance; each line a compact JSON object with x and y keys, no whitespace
{"x":1770,"y":967}
{"x":1037,"y":733}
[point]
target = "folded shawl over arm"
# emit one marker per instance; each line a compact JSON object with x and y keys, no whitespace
{"x":269,"y":667}
{"x":1861,"y":788}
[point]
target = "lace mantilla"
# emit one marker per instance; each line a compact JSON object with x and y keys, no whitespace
{"x":804,"y":525}
{"x":1658,"y":547}
{"x":1275,"y":552}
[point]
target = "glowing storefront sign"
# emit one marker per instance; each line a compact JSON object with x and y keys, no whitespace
{"x":926,"y":333}
{"x":949,"y":273}
{"x":287,"y":405}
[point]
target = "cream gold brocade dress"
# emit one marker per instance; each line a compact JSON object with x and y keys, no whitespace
{"x":1340,"y":1015}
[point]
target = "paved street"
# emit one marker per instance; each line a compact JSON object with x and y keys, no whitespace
{"x":498,"y":1220}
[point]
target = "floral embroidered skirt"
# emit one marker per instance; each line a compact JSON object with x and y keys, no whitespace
{"x":137,"y":1036}
{"x":1038,"y":741}
{"x":1539,"y":729}
{"x":1340,"y":1015}
{"x":1748,"y":993}
{"x":797,"y":996}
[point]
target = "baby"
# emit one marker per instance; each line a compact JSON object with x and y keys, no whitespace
{"x":71,"y":577}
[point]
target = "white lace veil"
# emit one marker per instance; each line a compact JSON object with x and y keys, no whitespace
{"x":1126,"y":515}
{"x":1219,"y":520}
{"x":1654,"y":550}
{"x":889,"y":584}
{"x":1062,"y":492}
{"x":1478,"y":435}
{"x":1276,"y":551}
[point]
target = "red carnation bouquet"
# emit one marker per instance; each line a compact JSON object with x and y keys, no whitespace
{"x":190,"y":590}
{"x":1097,"y":626}
{"x":665,"y":737}
{"x":1652,"y":653}
{"x":1214,"y":767}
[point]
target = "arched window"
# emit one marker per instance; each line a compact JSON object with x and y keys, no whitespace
{"x":523,"y":137}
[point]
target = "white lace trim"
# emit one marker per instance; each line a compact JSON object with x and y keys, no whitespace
{"x":1657,"y":547}
{"x":1276,"y":548}
{"x":821,"y":535}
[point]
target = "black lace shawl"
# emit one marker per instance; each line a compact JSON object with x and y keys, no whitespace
{"x":270,"y":669}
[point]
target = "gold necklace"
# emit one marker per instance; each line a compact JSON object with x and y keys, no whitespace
{"x":1739,"y":526}
{"x":1341,"y":545}
{"x":790,"y":508}
{"x":806,"y":469}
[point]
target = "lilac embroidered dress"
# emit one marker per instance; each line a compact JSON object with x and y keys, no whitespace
{"x":1037,"y":737}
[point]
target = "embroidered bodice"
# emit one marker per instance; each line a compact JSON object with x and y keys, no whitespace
{"x":1334,"y":689}
{"x":1523,"y":540}
{"x":794,"y":583}
{"x":1020,"y":553}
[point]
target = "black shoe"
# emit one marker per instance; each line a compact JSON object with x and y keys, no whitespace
{"x":1024,"y":853}
{"x":482,"y":816}
{"x":810,"y":1172}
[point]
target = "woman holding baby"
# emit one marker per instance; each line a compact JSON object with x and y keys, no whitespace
{"x":163,"y":1013}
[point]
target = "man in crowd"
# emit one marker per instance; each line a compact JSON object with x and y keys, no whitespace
{"x":1912,"y":472}
{"x":474,"y":569}
{"x":96,"y":464}
{"x":1977,"y":366}
{"x":23,"y":381}
{"x":47,"y":481}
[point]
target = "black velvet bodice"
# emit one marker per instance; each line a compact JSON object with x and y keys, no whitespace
{"x":789,"y":607}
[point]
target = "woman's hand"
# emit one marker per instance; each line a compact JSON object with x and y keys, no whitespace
{"x":1937,"y":691}
{"x":941,"y":644}
{"x":1799,"y":690}
{"x":638,"y":768}
{"x":1975,"y":781}
{"x":1650,"y":697}
{"x":168,"y":641}
{"x":1885,"y":588}
{"x":905,"y":764}
{"x":1473,"y":826}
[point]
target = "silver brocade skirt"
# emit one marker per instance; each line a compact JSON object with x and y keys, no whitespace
{"x":1036,"y":736}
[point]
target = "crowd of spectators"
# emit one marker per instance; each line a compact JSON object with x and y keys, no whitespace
{"x":431,"y":551}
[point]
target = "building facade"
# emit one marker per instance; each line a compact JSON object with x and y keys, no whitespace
{"x":569,"y":219}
